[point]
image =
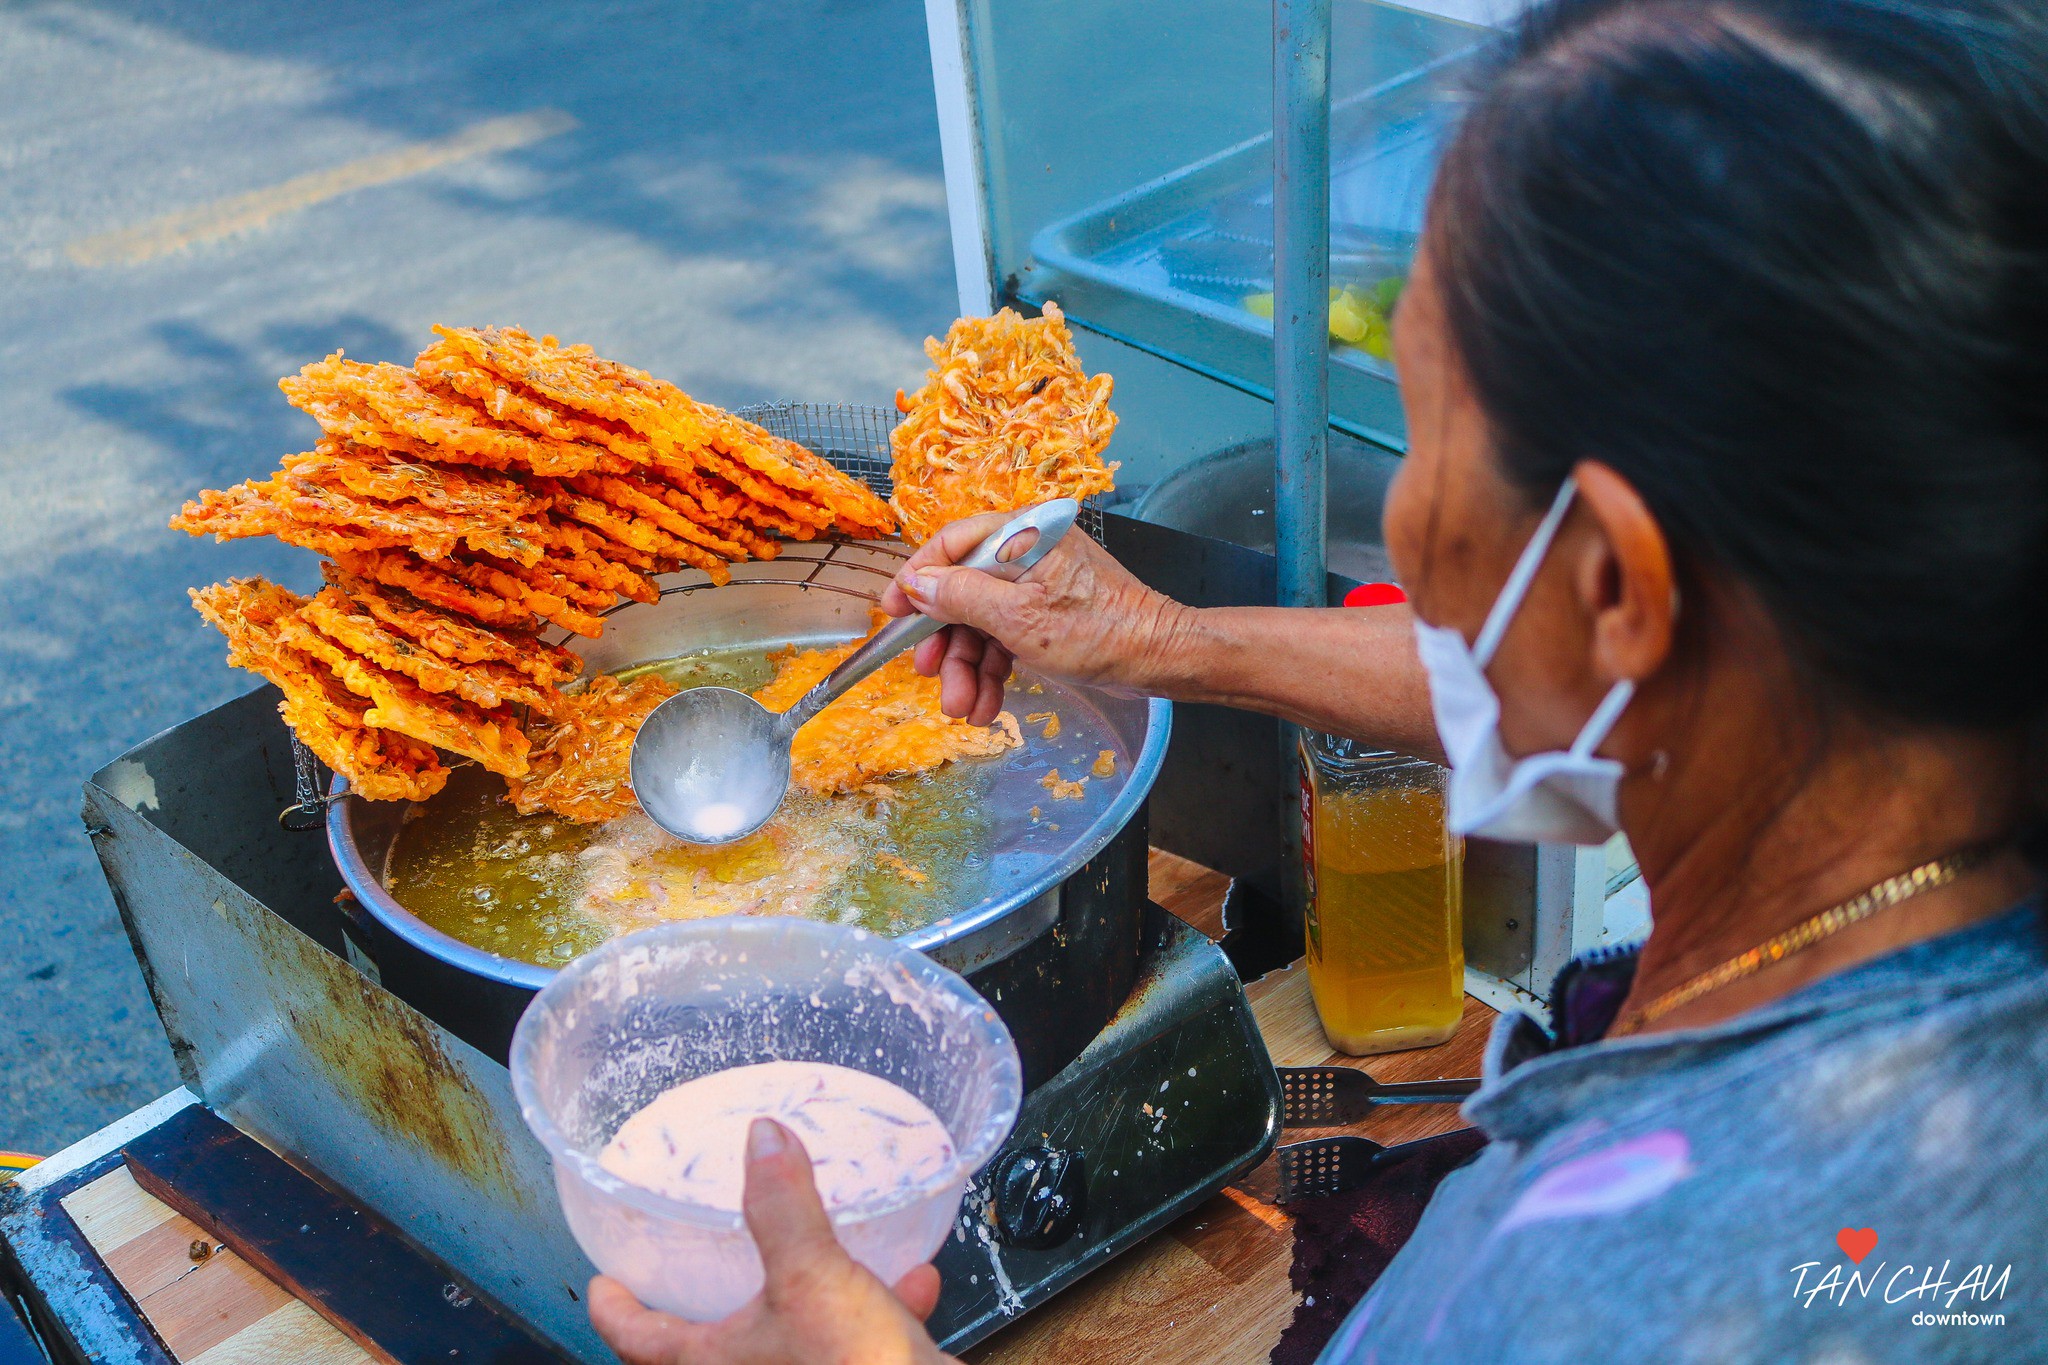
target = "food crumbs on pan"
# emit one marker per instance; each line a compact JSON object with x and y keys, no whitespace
{"x":1053,"y":826}
{"x":913,"y":875}
{"x":1049,"y":719}
{"x":1036,"y":815}
{"x":1061,"y":788}
{"x":1105,"y":764}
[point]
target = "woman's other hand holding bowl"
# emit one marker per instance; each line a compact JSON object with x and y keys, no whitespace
{"x":818,"y":1303}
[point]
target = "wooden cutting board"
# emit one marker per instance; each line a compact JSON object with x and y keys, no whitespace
{"x":208,"y":1305}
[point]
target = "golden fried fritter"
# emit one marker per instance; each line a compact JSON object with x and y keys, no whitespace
{"x":888,"y":725}
{"x":488,"y":685}
{"x":447,"y":363}
{"x":668,"y":508}
{"x":759,"y":490}
{"x":398,"y":703}
{"x":620,"y":566}
{"x":380,"y":765}
{"x":427,"y":533}
{"x":577,"y":379}
{"x":640,"y":534}
{"x":598,"y":573}
{"x":787,"y":465}
{"x":438,"y":587}
{"x":455,"y":638}
{"x":390,"y":476}
{"x":329,"y":719}
{"x":580,"y":765}
{"x":500,"y":483}
{"x":672,"y":423}
{"x":546,"y":595}
{"x":248,"y":509}
{"x":300,"y":509}
{"x":1005,"y":419}
{"x":700,"y":499}
{"x":343,"y":418}
{"x":395,"y":398}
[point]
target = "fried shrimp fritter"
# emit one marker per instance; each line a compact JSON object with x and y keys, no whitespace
{"x":395,"y":398}
{"x":888,"y":725}
{"x":447,"y":362}
{"x":554,"y":599}
{"x":398,"y":703}
{"x":300,"y":507}
{"x":580,"y":764}
{"x":392,"y":476}
{"x":690,"y":502}
{"x":628,"y":528}
{"x":429,"y":534}
{"x":248,"y":509}
{"x":455,"y":638}
{"x":615,"y":399}
{"x":437,"y":587}
{"x":577,"y":379}
{"x":381,"y":764}
{"x":1005,"y":419}
{"x":487,"y":685}
{"x":646,"y":501}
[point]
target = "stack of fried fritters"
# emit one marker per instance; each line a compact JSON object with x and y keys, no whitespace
{"x":500,"y":485}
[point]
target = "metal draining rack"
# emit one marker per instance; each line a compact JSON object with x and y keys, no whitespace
{"x":855,"y":438}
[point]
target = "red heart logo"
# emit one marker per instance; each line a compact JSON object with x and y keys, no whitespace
{"x":1856,"y":1243}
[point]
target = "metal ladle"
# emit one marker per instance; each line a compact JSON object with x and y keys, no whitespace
{"x":711,"y":765}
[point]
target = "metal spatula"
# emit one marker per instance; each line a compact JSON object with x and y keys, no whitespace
{"x":1322,"y":1166}
{"x":1325,"y":1096}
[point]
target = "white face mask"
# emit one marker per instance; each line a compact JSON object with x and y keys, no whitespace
{"x":1563,"y":798}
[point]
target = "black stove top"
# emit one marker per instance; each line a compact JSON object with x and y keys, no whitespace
{"x":1171,"y":1101}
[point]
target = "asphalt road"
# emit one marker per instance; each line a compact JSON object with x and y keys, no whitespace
{"x":744,"y":197}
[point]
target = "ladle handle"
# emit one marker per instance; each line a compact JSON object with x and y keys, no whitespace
{"x":1051,"y":520}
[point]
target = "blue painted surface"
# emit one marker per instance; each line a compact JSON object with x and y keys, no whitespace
{"x":751,"y":205}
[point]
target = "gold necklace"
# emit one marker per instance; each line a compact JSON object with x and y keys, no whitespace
{"x":1806,"y":933}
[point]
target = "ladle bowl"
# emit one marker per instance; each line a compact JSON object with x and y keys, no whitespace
{"x":711,"y":765}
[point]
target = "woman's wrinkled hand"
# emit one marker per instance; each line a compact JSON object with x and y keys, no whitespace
{"x":817,"y":1304}
{"x":1077,"y":615}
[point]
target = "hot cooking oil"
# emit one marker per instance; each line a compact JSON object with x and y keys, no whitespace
{"x":544,"y":890}
{"x":1386,"y":957}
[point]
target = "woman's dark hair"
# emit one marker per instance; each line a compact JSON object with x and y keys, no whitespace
{"x":1783,"y":265}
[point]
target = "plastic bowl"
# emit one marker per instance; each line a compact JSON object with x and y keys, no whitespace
{"x":654,"y":1009}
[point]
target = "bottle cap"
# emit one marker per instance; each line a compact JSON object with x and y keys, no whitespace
{"x":1375,"y":595}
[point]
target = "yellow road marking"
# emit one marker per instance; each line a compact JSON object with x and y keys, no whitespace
{"x":244,"y":212}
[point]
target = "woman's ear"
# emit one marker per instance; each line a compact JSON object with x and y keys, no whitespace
{"x":1625,"y":580}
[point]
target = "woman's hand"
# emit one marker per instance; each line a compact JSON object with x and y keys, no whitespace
{"x":818,"y":1304}
{"x":1078,"y":615}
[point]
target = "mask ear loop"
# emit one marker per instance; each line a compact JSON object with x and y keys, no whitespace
{"x":1603,"y":718}
{"x":1517,"y":586}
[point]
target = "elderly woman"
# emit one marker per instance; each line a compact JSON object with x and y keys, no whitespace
{"x":1725,"y":523}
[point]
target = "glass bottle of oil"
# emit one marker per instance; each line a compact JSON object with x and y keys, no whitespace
{"x":1385,"y":895}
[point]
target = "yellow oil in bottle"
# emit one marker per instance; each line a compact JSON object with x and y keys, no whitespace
{"x":1386,"y":957}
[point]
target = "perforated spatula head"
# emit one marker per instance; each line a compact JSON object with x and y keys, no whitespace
{"x":1325,"y":1096}
{"x":1323,"y":1166}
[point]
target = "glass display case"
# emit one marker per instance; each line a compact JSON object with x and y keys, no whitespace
{"x":1122,"y":163}
{"x":1118,"y":160}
